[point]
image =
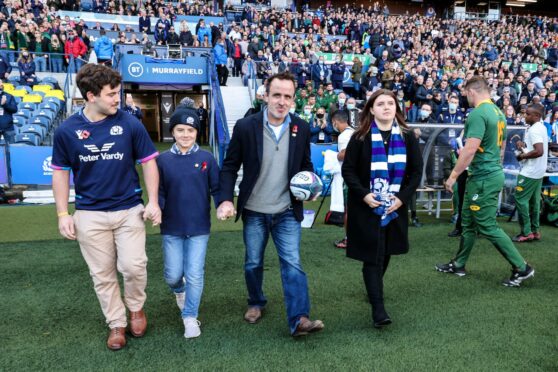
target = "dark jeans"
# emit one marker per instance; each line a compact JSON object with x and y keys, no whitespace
{"x":237,"y":67}
{"x":223,"y":74}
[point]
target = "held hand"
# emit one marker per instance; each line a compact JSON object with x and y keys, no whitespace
{"x":395,"y":204}
{"x":225,"y":210}
{"x":66,"y":227}
{"x":370,"y":200}
{"x":449,"y":184}
{"x":3,"y":102}
{"x":153,"y":213}
{"x":519,"y":145}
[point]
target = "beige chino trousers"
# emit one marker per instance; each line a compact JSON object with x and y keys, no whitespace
{"x":111,"y":242}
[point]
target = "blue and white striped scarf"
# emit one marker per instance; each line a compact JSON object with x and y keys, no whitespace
{"x":387,"y":170}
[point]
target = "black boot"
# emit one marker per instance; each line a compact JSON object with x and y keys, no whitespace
{"x":380,"y":316}
{"x":373,"y":280}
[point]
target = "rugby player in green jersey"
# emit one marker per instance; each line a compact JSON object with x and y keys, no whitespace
{"x":485,"y":133}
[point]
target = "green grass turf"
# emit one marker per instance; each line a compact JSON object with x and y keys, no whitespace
{"x":51,"y":319}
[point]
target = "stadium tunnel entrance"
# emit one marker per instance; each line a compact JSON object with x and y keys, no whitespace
{"x":157,"y":86}
{"x":159,"y":102}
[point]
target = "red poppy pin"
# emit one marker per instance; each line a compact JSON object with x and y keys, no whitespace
{"x":295,"y":130}
{"x":204,"y":166}
{"x":82,"y":134}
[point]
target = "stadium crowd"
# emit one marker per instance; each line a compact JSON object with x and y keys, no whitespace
{"x":424,"y":59}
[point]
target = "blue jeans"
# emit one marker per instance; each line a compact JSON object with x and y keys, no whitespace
{"x":40,"y":63}
{"x":184,"y":257}
{"x":57,"y":64}
{"x":285,"y":231}
{"x":75,"y":65}
{"x":413,"y":113}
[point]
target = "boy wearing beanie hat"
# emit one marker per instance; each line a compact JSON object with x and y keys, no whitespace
{"x":188,"y":176}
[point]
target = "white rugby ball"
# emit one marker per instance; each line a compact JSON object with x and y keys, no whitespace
{"x":306,"y":185}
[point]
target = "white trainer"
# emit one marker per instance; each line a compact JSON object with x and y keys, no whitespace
{"x":180,"y":298}
{"x":191,"y":327}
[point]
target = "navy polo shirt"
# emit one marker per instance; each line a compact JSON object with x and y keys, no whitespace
{"x":102,"y":156}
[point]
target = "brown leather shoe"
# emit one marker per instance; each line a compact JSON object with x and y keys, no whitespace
{"x":307,"y":326}
{"x":117,"y":338}
{"x":138,"y":323}
{"x":253,"y":314}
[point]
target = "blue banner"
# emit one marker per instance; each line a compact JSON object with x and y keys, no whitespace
{"x":3,"y":166}
{"x":147,"y":70}
{"x":30,"y":165}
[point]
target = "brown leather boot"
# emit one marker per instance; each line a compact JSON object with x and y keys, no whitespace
{"x":117,"y":338}
{"x":138,"y":323}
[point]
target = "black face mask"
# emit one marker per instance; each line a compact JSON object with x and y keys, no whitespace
{"x":320,"y":116}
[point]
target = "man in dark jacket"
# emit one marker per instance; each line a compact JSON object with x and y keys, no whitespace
{"x":272,"y":146}
{"x":338,"y":72}
{"x":8,"y":107}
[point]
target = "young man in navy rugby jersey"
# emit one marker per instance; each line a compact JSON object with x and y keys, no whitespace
{"x":101,"y":146}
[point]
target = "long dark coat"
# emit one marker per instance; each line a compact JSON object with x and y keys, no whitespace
{"x":363,"y":226}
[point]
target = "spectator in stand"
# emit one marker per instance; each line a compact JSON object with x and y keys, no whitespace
{"x":551,"y":124}
{"x":220,"y":55}
{"x":5,"y":68}
{"x":249,"y":69}
{"x":320,"y":126}
{"x":186,"y":38}
{"x":8,"y":107}
{"x":173,"y":38}
{"x":237,"y":58}
{"x":356,"y":76}
{"x":75,"y":51}
{"x":203,"y":31}
{"x":161,"y":34}
{"x":319,"y":72}
{"x":26,"y":67}
{"x":39,"y":45}
{"x":144,"y":22}
{"x":131,"y":108}
{"x":6,"y":44}
{"x":104,"y":49}
{"x":338,"y":72}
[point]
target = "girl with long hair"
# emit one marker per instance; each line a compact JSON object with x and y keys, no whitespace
{"x":382,"y":170}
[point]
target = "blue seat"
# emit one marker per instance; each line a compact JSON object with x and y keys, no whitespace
{"x":27,"y":139}
{"x":26,"y":87}
{"x":41,"y":112}
{"x":24,"y":112}
{"x":41,"y":120}
{"x":48,"y":106}
{"x":20,"y":120}
{"x":50,"y":81}
{"x":18,"y":99}
{"x":54,"y":101}
{"x":14,"y":80}
{"x":34,"y":129}
{"x":27,"y":105}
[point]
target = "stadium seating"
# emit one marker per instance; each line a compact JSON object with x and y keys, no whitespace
{"x":27,"y":139}
{"x":24,"y":112}
{"x":39,"y":130}
{"x":27,"y":105}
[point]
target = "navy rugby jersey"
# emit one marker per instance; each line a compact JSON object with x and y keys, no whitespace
{"x":102,"y":156}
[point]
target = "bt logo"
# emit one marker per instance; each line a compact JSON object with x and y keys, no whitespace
{"x":135,"y":69}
